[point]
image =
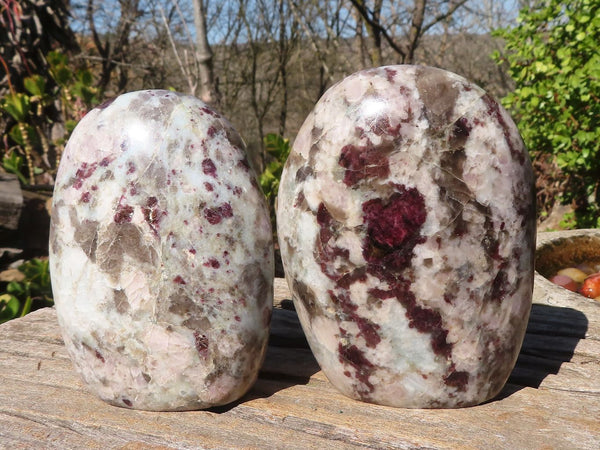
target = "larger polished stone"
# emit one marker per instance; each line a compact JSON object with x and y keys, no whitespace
{"x":406,"y":223}
{"x":161,"y":254}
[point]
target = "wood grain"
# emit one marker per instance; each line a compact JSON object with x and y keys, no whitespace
{"x":552,"y":399}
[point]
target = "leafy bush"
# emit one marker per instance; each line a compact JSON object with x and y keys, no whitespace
{"x":553,"y":57}
{"x":278,"y":149}
{"x":33,"y":291}
{"x":30,"y":136}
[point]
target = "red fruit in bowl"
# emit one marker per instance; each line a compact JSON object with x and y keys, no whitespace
{"x":591,"y":286}
{"x":566,"y":282}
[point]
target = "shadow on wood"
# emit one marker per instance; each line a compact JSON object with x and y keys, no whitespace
{"x":289,"y":358}
{"x":288,"y":362}
{"x":551,"y":339}
{"x":552,"y":336}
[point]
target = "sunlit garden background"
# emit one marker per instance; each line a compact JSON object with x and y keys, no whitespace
{"x":264,"y":64}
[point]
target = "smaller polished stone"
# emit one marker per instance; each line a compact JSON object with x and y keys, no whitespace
{"x":406,"y":224}
{"x":161,"y":254}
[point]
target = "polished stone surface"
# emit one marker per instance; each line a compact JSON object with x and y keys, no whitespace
{"x":161,"y":254}
{"x":406,"y":223}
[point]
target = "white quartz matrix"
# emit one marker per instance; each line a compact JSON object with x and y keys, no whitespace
{"x":406,"y":223}
{"x":161,"y":254}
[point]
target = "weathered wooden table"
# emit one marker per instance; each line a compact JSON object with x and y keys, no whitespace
{"x":552,"y":399}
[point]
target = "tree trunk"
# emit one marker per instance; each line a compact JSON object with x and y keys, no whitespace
{"x":415,"y":30}
{"x":373,"y":26}
{"x":376,"y":31}
{"x":204,"y":57}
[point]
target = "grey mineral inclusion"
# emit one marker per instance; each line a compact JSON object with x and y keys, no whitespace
{"x":161,"y":255}
{"x":406,"y":224}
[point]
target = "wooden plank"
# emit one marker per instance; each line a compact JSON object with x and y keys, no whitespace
{"x":552,"y":399}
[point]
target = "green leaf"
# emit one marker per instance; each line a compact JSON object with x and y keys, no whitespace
{"x":70,"y":125}
{"x":12,"y":163}
{"x":16,"y":135}
{"x":56,"y":58}
{"x":9,"y":307}
{"x":62,"y":75}
{"x":85,"y":77}
{"x":35,"y":85}
{"x":16,"y":288}
{"x":266,"y":180}
{"x":277,"y":146}
{"x":37,"y":272}
{"x":26,"y":306}
{"x":17,"y":105}
{"x":583,"y":19}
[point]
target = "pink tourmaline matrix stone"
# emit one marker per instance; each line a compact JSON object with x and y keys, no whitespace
{"x":161,"y":255}
{"x":406,"y":223}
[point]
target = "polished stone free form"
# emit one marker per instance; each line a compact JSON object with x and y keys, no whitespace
{"x":161,"y":255}
{"x":407,"y":231}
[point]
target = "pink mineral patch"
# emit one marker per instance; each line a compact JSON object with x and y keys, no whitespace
{"x":363,"y":162}
{"x":85,"y":171}
{"x":391,"y":222}
{"x":217,"y":214}
{"x":209,"y":168}
{"x":124,"y":214}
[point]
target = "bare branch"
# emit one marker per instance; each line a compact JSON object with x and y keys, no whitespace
{"x":91,"y":22}
{"x":415,"y":29}
{"x":186,"y":73}
{"x":312,"y":37}
{"x":454,"y":5}
{"x":374,"y":22}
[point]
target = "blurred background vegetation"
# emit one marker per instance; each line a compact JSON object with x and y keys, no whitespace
{"x":264,"y":63}
{"x":553,"y":57}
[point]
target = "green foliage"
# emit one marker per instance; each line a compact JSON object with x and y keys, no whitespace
{"x":35,"y":85}
{"x":553,"y":57}
{"x":13,"y":163}
{"x":278,"y":149}
{"x":30,"y":136}
{"x":33,"y":291}
{"x":17,"y":105}
{"x":76,"y":83}
{"x":9,"y":307}
{"x":569,"y":221}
